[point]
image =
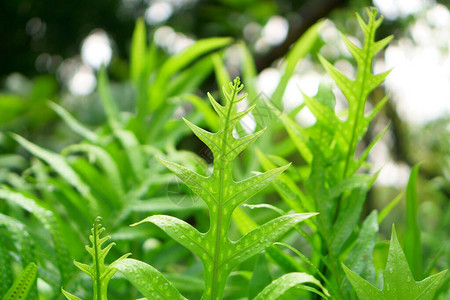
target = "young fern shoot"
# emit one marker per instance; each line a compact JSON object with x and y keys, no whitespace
{"x":222,"y":195}
{"x":99,"y":273}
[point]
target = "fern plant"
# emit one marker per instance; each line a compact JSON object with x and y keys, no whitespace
{"x":331,"y":183}
{"x":64,"y":191}
{"x":219,"y":255}
{"x":399,"y":282}
{"x":99,"y":273}
{"x":23,"y":284}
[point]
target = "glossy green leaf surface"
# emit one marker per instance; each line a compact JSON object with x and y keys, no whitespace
{"x":222,"y":195}
{"x":149,"y":281}
{"x":280,"y":285}
{"x":399,"y":282}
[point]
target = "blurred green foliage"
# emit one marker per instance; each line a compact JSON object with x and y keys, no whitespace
{"x":99,"y":150}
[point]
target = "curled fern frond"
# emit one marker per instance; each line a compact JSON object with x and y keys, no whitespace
{"x":99,"y":273}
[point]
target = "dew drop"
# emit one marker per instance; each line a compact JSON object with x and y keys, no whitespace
{"x":408,"y":279}
{"x":391,"y":271}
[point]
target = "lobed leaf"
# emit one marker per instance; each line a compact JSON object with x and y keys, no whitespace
{"x":199,"y":184}
{"x":222,"y":195}
{"x":399,"y":282}
{"x":99,"y":273}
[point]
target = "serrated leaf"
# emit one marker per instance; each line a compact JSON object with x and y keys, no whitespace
{"x":281,"y":285}
{"x":23,"y":284}
{"x":234,"y":148}
{"x":363,"y":288}
{"x":149,"y":281}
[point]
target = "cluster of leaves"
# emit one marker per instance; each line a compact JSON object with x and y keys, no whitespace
{"x":335,"y":181}
{"x":114,"y":172}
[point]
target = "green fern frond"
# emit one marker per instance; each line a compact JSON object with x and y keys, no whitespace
{"x":23,"y":284}
{"x":357,"y":91}
{"x":399,"y":282}
{"x":99,"y":273}
{"x":223,"y":195}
